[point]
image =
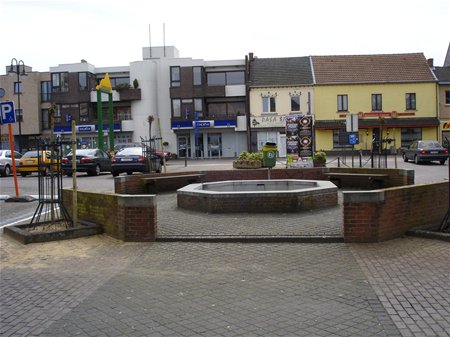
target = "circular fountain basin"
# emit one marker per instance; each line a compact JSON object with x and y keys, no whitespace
{"x":258,"y":196}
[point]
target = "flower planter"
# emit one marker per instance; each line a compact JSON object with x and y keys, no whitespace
{"x":247,"y":164}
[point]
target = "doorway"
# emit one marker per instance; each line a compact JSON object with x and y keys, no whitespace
{"x":184,"y":146}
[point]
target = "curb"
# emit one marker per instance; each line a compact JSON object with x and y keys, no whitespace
{"x":251,"y":239}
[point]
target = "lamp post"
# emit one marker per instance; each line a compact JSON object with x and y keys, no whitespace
{"x":15,"y":68}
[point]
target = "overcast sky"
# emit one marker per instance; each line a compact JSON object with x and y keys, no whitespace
{"x":112,"y":32}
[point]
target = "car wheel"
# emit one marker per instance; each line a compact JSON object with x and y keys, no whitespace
{"x":69,"y":174}
{"x":405,"y":159}
{"x":129,"y":173}
{"x":416,"y":159}
{"x":7,"y":171}
{"x":23,"y":174}
{"x":442,"y":161}
{"x":115,"y":174}
{"x":94,"y":172}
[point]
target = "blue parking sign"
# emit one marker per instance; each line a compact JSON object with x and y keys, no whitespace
{"x":353,"y":139}
{"x":7,"y":112}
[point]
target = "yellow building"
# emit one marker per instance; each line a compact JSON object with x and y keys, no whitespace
{"x":443,"y":76}
{"x":279,"y":88}
{"x":393,"y":96}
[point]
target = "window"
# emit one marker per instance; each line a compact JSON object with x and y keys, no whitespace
{"x":19,"y":115}
{"x":447,"y":97}
{"x":176,"y":107}
{"x":236,"y":109}
{"x":121,"y":82}
{"x":17,"y":87}
{"x":411,"y":101}
{"x":197,"y":75}
{"x":235,"y":77}
{"x":216,"y":79}
{"x":45,"y":118}
{"x":57,"y":114}
{"x":84,"y":112}
{"x":46,"y":91}
{"x":376,"y":102}
{"x":340,"y":139}
{"x":226,"y":78}
{"x":269,"y":104}
{"x":175,"y":77}
{"x":342,"y":103}
{"x":83,"y":81}
{"x":295,"y":103}
{"x":409,"y":135}
{"x":60,"y":82}
{"x":198,"y":104}
{"x":217,"y":110}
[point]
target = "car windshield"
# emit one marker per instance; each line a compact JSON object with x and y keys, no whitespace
{"x":131,"y":151}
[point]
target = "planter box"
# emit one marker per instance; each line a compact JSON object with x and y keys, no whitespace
{"x":247,"y":164}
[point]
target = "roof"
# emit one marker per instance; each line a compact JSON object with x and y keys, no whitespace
{"x":287,"y":71}
{"x":442,"y":74}
{"x":382,"y":68}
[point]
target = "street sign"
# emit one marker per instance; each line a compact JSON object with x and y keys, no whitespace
{"x":7,"y":112}
{"x":353,"y":138}
{"x":351,"y":123}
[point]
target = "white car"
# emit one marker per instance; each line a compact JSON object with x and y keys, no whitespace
{"x":6,"y":162}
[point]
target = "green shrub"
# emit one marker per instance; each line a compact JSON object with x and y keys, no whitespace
{"x":251,"y":156}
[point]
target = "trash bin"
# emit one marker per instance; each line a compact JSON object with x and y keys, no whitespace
{"x":269,"y":154}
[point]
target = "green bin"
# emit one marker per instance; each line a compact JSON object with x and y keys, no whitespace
{"x":269,"y":154}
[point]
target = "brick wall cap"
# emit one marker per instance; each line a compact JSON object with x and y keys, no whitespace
{"x":145,"y":200}
{"x":363,"y":196}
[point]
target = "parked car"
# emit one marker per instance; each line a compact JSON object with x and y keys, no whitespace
{"x":6,"y":161}
{"x":132,"y":159}
{"x":32,"y":161}
{"x":91,"y":161}
{"x":163,"y":155}
{"x":120,"y":146}
{"x":425,"y":151}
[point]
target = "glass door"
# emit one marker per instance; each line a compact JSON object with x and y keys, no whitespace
{"x":184,"y":146}
{"x":214,"y":145}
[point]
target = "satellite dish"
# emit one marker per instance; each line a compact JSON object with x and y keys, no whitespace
{"x":2,"y":92}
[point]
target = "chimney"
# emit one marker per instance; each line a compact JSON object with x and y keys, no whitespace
{"x":430,"y":63}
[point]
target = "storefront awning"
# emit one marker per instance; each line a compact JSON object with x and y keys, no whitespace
{"x":377,"y":123}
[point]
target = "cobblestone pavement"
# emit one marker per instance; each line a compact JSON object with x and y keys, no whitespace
{"x":98,"y":286}
{"x":411,"y":278}
{"x":173,"y":221}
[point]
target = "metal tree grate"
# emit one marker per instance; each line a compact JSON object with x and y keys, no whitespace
{"x":50,"y":210}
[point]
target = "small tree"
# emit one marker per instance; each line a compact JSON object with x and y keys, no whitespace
{"x":135,"y":83}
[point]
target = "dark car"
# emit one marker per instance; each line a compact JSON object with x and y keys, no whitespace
{"x":120,"y":146}
{"x":425,"y":151}
{"x":132,"y":159}
{"x":91,"y":161}
{"x":163,"y":155}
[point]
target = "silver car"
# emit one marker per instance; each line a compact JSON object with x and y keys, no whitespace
{"x":425,"y":151}
{"x":6,"y":162}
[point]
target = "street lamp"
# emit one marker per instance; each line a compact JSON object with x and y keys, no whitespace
{"x":18,"y":67}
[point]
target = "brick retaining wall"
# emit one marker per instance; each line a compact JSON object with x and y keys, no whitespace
{"x":379,"y":215}
{"x":124,"y":217}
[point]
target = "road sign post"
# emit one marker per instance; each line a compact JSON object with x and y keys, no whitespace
{"x":8,"y":116}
